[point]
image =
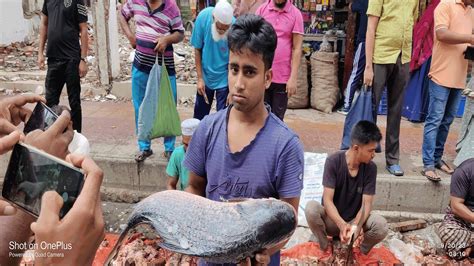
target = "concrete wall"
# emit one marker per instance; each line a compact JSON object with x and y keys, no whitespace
{"x":14,"y":27}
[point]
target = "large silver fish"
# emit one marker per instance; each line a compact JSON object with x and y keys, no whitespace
{"x":218,"y":232}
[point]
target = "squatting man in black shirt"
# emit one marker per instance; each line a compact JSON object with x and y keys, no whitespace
{"x":349,"y":181}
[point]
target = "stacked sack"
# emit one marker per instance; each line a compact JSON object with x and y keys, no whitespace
{"x":301,"y":98}
{"x":325,"y":90}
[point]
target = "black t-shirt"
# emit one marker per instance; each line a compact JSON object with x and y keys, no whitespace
{"x":64,"y":17}
{"x":462,"y":183}
{"x":348,"y":190}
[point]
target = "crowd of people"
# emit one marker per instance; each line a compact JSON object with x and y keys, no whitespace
{"x":247,"y":57}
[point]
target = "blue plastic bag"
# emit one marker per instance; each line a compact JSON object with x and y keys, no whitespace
{"x":361,"y":109}
{"x":149,"y":105}
{"x":157,"y":116}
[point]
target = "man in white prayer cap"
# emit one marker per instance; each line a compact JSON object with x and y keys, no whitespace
{"x":209,"y":40}
{"x":177,"y":173}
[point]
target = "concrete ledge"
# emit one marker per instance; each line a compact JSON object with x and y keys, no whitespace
{"x":136,"y":181}
{"x":411,"y":194}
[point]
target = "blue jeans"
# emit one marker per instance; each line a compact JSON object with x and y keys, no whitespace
{"x":441,"y":112}
{"x":139,"y":80}
{"x":201,"y":108}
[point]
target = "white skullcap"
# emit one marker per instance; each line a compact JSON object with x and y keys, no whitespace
{"x":188,"y":126}
{"x":223,"y":12}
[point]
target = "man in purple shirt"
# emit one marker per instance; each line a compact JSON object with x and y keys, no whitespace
{"x":245,"y":151}
{"x":158,"y":26}
{"x":287,"y":21}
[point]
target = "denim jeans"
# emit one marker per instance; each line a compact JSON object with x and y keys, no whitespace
{"x":139,"y":80}
{"x":442,"y":109}
{"x":201,"y":108}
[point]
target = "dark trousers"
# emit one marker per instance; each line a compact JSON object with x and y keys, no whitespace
{"x":395,"y":77}
{"x":62,"y":72}
{"x":277,"y":98}
{"x":201,"y":108}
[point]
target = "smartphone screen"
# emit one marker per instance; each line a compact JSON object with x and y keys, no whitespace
{"x":42,"y":118}
{"x":32,"y":172}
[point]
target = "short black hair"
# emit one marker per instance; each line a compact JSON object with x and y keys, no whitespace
{"x":365,"y":132}
{"x":254,"y":33}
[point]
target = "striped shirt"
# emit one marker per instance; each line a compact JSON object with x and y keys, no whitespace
{"x":151,"y":24}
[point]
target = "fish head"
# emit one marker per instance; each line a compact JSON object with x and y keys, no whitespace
{"x":280,"y":221}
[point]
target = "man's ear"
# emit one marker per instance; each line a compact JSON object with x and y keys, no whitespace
{"x":355,"y":147}
{"x":268,"y":78}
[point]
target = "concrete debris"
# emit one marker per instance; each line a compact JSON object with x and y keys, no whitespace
{"x":9,"y":92}
{"x":88,"y":93}
{"x":19,"y":56}
{"x":408,"y":225}
{"x":186,"y":101}
{"x":427,"y":239}
{"x":111,"y":97}
{"x":23,"y":56}
{"x":39,"y":90}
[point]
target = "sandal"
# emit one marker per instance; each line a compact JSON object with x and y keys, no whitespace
{"x":142,"y":155}
{"x":443,"y":166}
{"x":432,"y":177}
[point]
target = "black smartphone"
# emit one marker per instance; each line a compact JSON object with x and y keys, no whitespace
{"x":42,"y":118}
{"x":31,"y":172}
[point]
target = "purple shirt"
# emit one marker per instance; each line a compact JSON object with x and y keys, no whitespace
{"x":270,"y":166}
{"x":285,"y":22}
{"x":151,"y":24}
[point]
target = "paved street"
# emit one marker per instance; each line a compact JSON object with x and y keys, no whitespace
{"x":109,"y":123}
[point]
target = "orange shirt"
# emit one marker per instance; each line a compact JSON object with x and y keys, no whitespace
{"x":448,"y":66}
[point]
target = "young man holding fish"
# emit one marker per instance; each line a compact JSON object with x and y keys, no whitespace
{"x":349,"y":182}
{"x":245,"y":151}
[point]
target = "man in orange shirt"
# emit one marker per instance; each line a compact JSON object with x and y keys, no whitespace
{"x":454,"y":22}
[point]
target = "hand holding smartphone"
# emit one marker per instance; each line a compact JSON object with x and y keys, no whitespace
{"x":41,"y":118}
{"x":32,"y":172}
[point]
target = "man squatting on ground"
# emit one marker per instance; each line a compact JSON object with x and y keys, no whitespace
{"x":349,"y":181}
{"x":245,"y":151}
{"x":456,"y":230}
